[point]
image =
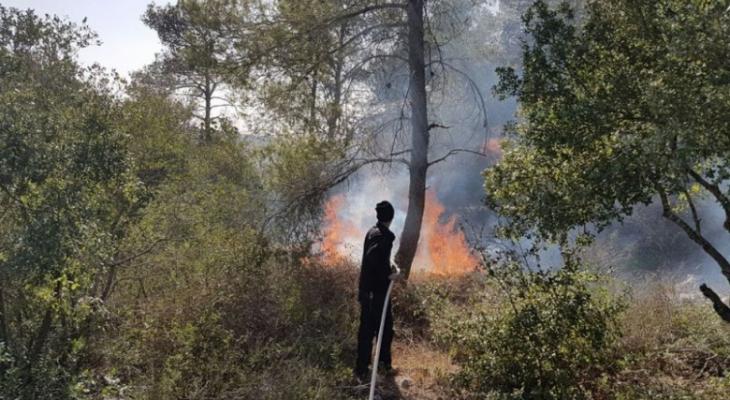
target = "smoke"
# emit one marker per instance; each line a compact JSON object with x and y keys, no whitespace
{"x":469,"y":117}
{"x":648,"y":246}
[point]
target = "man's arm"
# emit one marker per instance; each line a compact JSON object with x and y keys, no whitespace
{"x":366,"y":285}
{"x":369,"y":268}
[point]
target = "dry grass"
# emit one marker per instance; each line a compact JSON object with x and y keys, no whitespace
{"x":672,"y":347}
{"x":426,"y":368}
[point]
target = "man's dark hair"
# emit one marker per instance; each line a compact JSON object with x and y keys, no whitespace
{"x":385,"y":211}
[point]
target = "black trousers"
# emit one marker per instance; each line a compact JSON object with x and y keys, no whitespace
{"x":370,"y":313}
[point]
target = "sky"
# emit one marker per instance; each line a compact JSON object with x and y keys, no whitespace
{"x":127,"y":44}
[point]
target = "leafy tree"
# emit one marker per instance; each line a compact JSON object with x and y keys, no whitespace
{"x":159,"y":133}
{"x":629,"y":106}
{"x":198,"y":39}
{"x":302,"y":69}
{"x":63,"y":171}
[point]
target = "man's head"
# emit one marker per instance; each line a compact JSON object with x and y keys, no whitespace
{"x":385,"y":212}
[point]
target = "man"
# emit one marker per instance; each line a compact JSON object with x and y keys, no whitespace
{"x":376,"y":273}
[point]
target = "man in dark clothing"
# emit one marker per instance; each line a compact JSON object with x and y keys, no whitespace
{"x":376,"y":273}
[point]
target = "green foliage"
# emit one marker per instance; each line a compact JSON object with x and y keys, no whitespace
{"x":298,"y":170}
{"x":626,"y":107}
{"x":220,"y":293}
{"x":195,"y":33}
{"x":548,"y":335}
{"x":159,"y":135}
{"x":273,"y":331}
{"x":306,"y":58}
{"x":63,"y":168}
{"x":613,"y":111}
{"x":425,"y":303}
{"x":199,"y":58}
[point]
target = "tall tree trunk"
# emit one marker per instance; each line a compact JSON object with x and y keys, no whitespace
{"x":3,"y":320}
{"x":38,"y":341}
{"x":35,"y":347}
{"x":334,"y":113}
{"x":313,"y":106}
{"x":419,"y":138}
{"x":208,"y":94}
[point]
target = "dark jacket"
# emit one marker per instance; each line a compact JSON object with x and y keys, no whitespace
{"x":375,"y":267}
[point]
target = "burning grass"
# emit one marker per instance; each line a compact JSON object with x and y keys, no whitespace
{"x":443,"y":251}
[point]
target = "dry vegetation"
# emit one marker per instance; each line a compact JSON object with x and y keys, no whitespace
{"x":667,"y":348}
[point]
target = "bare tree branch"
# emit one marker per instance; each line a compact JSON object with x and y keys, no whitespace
{"x":455,"y":151}
{"x":397,"y":153}
{"x":475,"y":89}
{"x":364,"y":32}
{"x":366,"y":161}
{"x":367,"y":9}
{"x":435,"y":125}
{"x":110,"y":281}
{"x":714,"y":189}
{"x":693,"y":234}
{"x":695,"y":215}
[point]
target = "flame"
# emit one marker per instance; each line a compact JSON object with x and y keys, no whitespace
{"x":338,"y":232}
{"x":442,"y":250}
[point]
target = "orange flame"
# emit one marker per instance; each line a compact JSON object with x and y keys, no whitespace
{"x":337,"y":232}
{"x":442,"y":250}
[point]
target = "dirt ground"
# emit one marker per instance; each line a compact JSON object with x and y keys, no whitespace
{"x":421,"y":373}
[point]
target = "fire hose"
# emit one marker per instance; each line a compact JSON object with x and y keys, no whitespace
{"x":380,"y":340}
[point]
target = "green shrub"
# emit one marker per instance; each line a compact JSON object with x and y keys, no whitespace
{"x":548,"y":337}
{"x":280,"y":331}
{"x":425,"y":298}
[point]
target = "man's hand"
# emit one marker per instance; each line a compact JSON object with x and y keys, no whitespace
{"x":395,"y":273}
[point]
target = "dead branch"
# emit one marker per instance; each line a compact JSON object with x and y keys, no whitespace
{"x":455,"y":151}
{"x":435,"y":125}
{"x":475,"y":90}
{"x":720,"y":308}
{"x":366,"y":10}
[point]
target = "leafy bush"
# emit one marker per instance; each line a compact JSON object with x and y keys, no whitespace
{"x":427,"y":298}
{"x":548,"y":337}
{"x":211,"y":305}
